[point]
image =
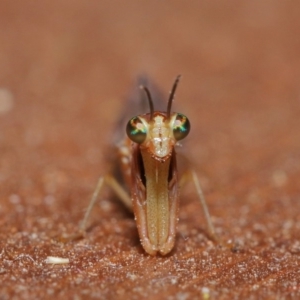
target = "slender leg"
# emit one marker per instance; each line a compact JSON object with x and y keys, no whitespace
{"x":119,"y":190}
{"x":116,"y":187}
{"x":82,"y":226}
{"x":192,"y":175}
{"x":200,"y":193}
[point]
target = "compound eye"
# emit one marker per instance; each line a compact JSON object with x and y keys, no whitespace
{"x":136,"y":130}
{"x":181,"y":127}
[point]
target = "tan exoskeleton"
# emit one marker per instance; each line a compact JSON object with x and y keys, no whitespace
{"x":148,"y":163}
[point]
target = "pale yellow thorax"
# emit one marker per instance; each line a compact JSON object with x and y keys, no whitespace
{"x":157,"y":199}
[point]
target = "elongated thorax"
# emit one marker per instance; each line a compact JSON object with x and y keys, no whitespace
{"x":155,"y":200}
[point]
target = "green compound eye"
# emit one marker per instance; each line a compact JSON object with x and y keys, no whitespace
{"x":136,"y":130}
{"x":181,"y":127}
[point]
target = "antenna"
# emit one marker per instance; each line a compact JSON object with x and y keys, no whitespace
{"x":149,"y":100}
{"x":172,"y":93}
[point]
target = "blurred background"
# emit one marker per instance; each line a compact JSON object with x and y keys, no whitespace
{"x":66,"y":68}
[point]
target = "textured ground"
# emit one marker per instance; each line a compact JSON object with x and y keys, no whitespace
{"x":65,"y":69}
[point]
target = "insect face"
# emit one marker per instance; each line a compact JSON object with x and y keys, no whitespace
{"x":159,"y":134}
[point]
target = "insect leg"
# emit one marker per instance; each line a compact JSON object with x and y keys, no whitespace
{"x":193,"y":176}
{"x":82,"y":226}
{"x":119,"y":190}
{"x":116,"y":187}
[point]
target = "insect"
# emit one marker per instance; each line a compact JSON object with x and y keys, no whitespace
{"x":147,"y":158}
